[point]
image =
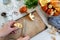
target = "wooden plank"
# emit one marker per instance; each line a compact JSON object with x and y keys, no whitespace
{"x":31,"y":28}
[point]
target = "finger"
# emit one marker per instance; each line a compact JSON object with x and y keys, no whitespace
{"x":14,"y":28}
{"x":26,"y":38}
{"x":11,"y":22}
{"x":20,"y":38}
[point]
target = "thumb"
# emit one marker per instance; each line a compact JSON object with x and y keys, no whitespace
{"x":11,"y":22}
{"x":26,"y":38}
{"x":20,"y":38}
{"x":15,"y":28}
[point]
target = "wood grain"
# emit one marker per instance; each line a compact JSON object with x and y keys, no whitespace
{"x":31,"y":28}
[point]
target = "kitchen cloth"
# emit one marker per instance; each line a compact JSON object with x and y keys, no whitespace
{"x":55,"y":21}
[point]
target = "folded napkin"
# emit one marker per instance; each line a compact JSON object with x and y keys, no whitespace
{"x":55,"y":21}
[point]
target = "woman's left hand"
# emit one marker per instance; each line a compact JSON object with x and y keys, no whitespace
{"x":7,"y":29}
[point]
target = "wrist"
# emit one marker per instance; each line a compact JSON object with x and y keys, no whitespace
{"x":2,"y":38}
{"x":1,"y":33}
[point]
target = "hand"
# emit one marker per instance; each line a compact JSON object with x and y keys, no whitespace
{"x":7,"y":29}
{"x":24,"y":38}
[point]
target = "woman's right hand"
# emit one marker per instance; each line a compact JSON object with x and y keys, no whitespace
{"x":24,"y":38}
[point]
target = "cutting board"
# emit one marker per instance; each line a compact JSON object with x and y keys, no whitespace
{"x":31,"y":28}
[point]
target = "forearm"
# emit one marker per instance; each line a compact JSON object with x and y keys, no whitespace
{"x":2,"y":33}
